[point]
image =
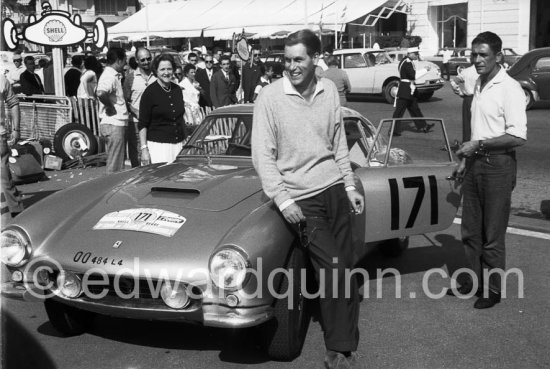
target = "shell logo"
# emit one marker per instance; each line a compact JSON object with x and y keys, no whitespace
{"x":55,"y":30}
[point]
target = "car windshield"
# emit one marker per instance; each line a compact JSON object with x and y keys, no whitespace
{"x":377,"y":57}
{"x":221,"y":135}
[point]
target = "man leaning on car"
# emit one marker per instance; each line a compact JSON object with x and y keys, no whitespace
{"x":300,"y":153}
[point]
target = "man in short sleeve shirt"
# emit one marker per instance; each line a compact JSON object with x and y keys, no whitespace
{"x":113,"y":113}
{"x":499,"y":125}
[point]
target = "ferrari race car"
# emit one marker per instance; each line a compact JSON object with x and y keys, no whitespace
{"x":198,"y":241}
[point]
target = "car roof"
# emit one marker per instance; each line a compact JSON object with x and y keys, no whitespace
{"x":527,"y":57}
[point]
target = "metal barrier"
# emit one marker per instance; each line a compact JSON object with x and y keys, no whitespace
{"x":43,"y":115}
{"x":86,"y":111}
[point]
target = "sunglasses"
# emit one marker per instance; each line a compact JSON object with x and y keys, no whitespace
{"x":209,"y":61}
{"x":17,"y":60}
{"x":145,"y":59}
{"x":256,"y":54}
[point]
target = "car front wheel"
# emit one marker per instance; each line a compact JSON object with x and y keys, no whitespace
{"x":529,"y":99}
{"x":287,"y":331}
{"x":390,"y":91}
{"x":68,"y":320}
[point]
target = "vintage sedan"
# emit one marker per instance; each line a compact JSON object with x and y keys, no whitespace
{"x":198,"y":241}
{"x":376,"y":72}
{"x":532,"y":72}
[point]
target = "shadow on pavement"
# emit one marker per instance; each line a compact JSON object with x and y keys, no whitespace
{"x":240,"y":346}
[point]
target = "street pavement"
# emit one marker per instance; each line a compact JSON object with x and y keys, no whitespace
{"x":413,"y":331}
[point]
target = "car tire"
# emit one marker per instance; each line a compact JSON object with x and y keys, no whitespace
{"x":68,"y":320}
{"x":286,"y":332}
{"x":529,"y":99}
{"x":425,"y":96}
{"x":390,"y":90}
{"x":70,"y":136}
{"x":394,"y":247}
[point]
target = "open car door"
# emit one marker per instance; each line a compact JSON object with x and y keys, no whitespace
{"x":407,"y":181}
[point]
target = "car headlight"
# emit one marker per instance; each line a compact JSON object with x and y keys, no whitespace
{"x":438,"y":72}
{"x":228,"y":268}
{"x":176,"y":298}
{"x":15,"y":247}
{"x":69,"y":284}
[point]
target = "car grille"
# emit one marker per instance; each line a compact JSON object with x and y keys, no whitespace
{"x":145,"y":295}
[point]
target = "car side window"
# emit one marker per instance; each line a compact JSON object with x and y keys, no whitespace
{"x":354,"y":61}
{"x":543,"y":63}
{"x":413,"y":146}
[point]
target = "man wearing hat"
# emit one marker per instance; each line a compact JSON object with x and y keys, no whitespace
{"x":406,"y":93}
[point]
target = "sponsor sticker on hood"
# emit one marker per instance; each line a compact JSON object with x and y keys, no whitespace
{"x":146,"y":220}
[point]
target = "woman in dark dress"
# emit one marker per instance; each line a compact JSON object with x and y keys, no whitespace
{"x":161,"y":110}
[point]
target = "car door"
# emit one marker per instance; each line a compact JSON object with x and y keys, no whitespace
{"x":541,"y":76}
{"x":407,"y":183}
{"x":358,"y":72}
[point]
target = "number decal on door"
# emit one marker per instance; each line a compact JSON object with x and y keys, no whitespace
{"x":413,"y":182}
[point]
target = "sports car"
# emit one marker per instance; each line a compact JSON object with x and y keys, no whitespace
{"x":198,"y":241}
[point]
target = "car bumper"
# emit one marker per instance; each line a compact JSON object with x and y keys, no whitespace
{"x":431,"y":85}
{"x":211,"y":315}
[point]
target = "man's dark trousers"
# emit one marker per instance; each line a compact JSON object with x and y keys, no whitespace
{"x":487,"y":188}
{"x":330,"y":248}
{"x":467,"y":117}
{"x":407,"y":104}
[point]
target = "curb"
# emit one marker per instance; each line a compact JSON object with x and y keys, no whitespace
{"x":529,"y":224}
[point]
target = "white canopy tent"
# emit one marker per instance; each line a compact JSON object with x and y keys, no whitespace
{"x":221,"y":18}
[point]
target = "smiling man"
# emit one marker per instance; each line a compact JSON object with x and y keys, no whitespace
{"x":300,"y":153}
{"x":499,"y":125}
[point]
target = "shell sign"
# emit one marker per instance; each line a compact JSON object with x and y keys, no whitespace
{"x":56,"y":28}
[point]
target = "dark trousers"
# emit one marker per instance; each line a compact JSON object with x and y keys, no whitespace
{"x":11,"y":198}
{"x":330,"y":248}
{"x":412,"y":106}
{"x":132,"y":143}
{"x":445,"y":71}
{"x":466,"y":118}
{"x":487,"y":189}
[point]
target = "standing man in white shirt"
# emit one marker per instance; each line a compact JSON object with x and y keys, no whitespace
{"x":499,"y":125}
{"x":15,"y":74}
{"x":113,"y":113}
{"x":134,"y":85}
{"x":447,"y":55}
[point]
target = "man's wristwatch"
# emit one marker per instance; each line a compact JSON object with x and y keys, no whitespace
{"x":482,"y":145}
{"x":143,"y":147}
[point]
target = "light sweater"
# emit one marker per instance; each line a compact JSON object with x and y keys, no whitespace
{"x":299,"y":148}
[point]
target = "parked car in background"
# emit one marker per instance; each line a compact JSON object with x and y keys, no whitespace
{"x":510,"y":57}
{"x":376,"y":72}
{"x":437,"y":59}
{"x":456,"y":64}
{"x":532,"y":71}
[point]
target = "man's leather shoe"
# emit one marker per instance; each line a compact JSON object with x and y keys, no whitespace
{"x":355,"y":361}
{"x":336,"y":360}
{"x":428,"y":127}
{"x":487,"y":302}
{"x":464,"y":290}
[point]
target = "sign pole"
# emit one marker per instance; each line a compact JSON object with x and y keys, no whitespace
{"x":58,"y":62}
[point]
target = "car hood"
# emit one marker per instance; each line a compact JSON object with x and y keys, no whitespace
{"x":208,"y":187}
{"x":167,"y":220}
